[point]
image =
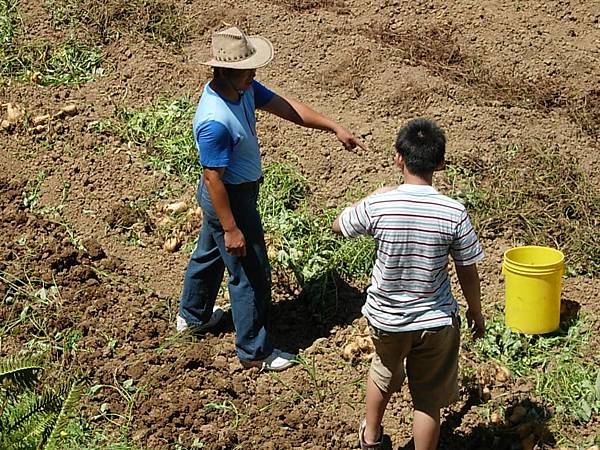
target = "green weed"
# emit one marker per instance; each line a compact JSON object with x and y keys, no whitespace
{"x":50,"y":65}
{"x":310,"y":368}
{"x":229,"y":407}
{"x":163,"y":132}
{"x":302,"y":238}
{"x":32,"y":420}
{"x":10,"y":23}
{"x":564,"y":376}
{"x":533,"y":195}
{"x":32,"y":192}
{"x":160,"y":21}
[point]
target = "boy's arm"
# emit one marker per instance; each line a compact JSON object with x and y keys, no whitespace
{"x":336,"y":227}
{"x":468,"y":278}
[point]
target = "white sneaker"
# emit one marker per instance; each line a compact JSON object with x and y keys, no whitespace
{"x":216,"y":317}
{"x":277,"y":361}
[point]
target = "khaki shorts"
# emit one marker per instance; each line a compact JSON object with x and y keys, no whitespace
{"x":431,"y":364}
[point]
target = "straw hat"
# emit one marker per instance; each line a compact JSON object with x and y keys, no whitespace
{"x":231,"y":48}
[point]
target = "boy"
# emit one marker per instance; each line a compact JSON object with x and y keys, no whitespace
{"x":410,"y":308}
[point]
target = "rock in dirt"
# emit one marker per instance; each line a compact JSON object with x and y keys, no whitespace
{"x":486,"y":394}
{"x":69,"y":110}
{"x":177,"y":207}
{"x":496,"y":419}
{"x":518,"y":414}
{"x":171,"y":245}
{"x":40,"y":120}
{"x":94,"y":249}
{"x":14,"y":113}
{"x":502,"y":374}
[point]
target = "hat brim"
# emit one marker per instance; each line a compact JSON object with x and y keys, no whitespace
{"x":262,"y":56}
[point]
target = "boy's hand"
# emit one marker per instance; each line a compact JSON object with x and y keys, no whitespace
{"x":476,"y":323}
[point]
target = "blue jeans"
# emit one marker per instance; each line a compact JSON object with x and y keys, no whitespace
{"x":249,"y":280}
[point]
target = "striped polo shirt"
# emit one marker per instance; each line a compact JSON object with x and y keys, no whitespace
{"x":415,"y":229}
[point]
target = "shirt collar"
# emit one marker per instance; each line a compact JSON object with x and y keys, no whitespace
{"x":417,"y":188}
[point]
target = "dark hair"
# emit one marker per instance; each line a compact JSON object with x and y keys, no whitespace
{"x":422,"y":145}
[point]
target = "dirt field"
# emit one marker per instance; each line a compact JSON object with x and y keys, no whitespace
{"x":494,"y":74}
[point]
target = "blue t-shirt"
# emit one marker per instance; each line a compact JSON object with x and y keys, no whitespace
{"x":225,"y":133}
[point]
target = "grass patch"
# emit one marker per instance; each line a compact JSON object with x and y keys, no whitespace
{"x":50,"y":65}
{"x":42,"y":63}
{"x":10,"y":22}
{"x":161,"y":21}
{"x":303,"y":239}
{"x":163,"y":132}
{"x":564,"y":373}
{"x":534,"y":196}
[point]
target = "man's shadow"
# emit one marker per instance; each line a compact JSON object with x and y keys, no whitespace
{"x":314,"y":311}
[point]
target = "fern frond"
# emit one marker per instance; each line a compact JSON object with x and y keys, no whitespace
{"x":28,"y":437}
{"x":49,"y":402}
{"x":18,"y":374}
{"x":71,"y":392}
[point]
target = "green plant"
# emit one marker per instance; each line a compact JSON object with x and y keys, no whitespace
{"x":303,"y":239}
{"x":10,"y":23}
{"x":162,"y":130}
{"x":310,"y":367}
{"x":565,"y":376}
{"x":49,"y":64}
{"x":29,"y":420}
{"x":32,"y":192}
{"x":229,"y":407}
{"x":129,"y":392}
{"x":160,"y":21}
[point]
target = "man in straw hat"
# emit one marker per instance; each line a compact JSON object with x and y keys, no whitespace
{"x":232,"y":235}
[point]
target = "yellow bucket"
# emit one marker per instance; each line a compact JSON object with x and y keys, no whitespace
{"x":533,"y":278}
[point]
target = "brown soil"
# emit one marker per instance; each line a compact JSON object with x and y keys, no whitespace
{"x":492,"y":73}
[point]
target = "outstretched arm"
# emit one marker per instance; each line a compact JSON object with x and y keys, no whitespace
{"x":301,"y":114}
